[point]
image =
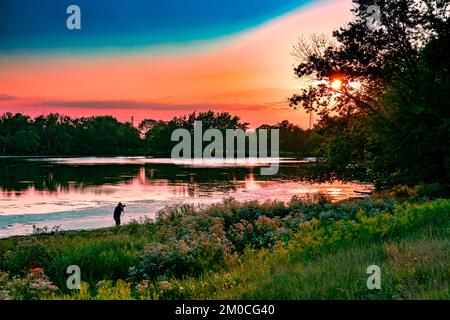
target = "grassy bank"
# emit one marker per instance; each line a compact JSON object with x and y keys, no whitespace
{"x":308,"y":248}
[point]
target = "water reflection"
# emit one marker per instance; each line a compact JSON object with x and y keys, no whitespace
{"x":81,"y":192}
{"x":19,"y":176}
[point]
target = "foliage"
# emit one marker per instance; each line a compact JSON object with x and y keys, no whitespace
{"x":412,"y":269}
{"x":211,"y":252}
{"x":295,"y":140}
{"x":35,"y":285}
{"x":55,"y":134}
{"x":389,"y":121}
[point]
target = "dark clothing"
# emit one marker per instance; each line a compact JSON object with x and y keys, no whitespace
{"x":117,"y":213}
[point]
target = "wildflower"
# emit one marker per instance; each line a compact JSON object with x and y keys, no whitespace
{"x":144,"y":285}
{"x":101,"y":283}
{"x":165,"y":285}
{"x":4,"y":295}
{"x":37,"y":272}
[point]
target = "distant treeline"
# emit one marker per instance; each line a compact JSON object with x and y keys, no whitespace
{"x":55,"y":134}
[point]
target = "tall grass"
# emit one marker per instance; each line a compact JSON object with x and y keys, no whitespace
{"x":308,"y":248}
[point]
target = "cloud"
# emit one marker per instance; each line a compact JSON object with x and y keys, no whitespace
{"x":278,"y":105}
{"x":137,"y":105}
{"x":5,"y":97}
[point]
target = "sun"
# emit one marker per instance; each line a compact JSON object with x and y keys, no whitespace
{"x":336,"y":84}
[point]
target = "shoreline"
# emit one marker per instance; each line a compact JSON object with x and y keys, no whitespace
{"x":152,"y":216}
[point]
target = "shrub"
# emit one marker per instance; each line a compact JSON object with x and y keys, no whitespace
{"x":106,"y":290}
{"x":157,"y":260}
{"x":406,"y":219}
{"x":35,"y":285}
{"x":27,"y":254}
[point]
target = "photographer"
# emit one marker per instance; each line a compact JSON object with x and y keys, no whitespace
{"x":118,"y":211}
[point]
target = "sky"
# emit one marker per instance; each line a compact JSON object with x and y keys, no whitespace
{"x":158,"y":58}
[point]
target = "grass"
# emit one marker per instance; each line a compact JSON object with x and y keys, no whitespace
{"x":410,"y":270}
{"x":307,"y":249}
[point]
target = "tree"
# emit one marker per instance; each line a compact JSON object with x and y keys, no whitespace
{"x":17,"y":134}
{"x":376,"y":84}
{"x":157,"y":133}
{"x":54,"y":133}
{"x":294,"y":140}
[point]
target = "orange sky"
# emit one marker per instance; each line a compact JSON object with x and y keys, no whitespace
{"x":250,"y":74}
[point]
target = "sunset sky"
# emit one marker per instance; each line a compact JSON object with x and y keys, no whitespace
{"x":158,"y":58}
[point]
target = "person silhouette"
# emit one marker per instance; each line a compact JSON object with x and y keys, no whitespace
{"x":118,"y":211}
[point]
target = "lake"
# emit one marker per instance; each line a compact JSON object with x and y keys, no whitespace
{"x":81,"y":193}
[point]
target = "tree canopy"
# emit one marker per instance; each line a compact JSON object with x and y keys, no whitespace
{"x":55,"y":134}
{"x":382,"y":93}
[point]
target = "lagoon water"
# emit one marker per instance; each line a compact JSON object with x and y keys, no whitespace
{"x":81,"y":193}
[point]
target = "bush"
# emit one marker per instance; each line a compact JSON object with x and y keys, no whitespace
{"x":106,"y":290}
{"x":186,"y":257}
{"x":163,"y":260}
{"x":405,"y":220}
{"x":35,"y":285}
{"x":26,"y":255}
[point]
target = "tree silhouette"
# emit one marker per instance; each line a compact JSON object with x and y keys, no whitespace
{"x":391,"y":104}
